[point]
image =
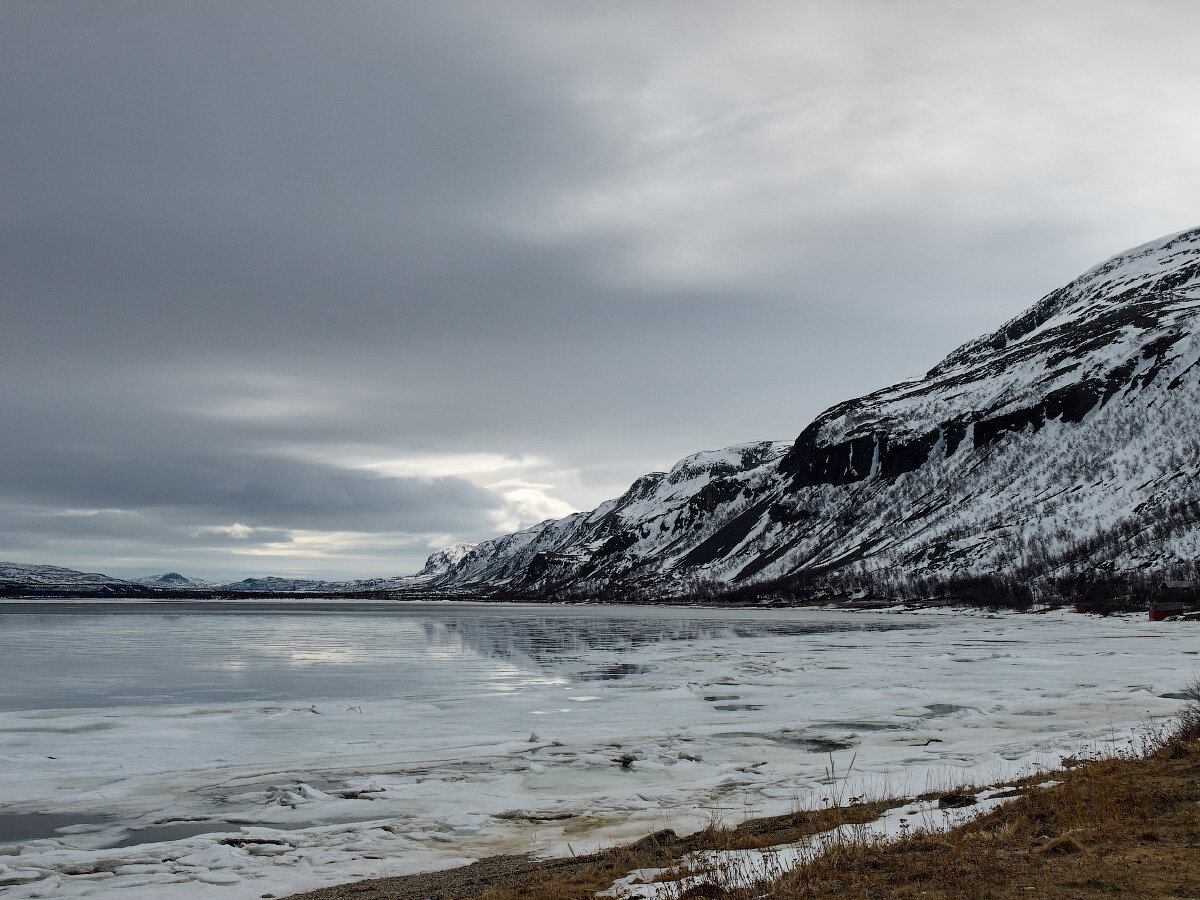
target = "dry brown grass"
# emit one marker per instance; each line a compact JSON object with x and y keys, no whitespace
{"x":510,"y":878}
{"x":1120,"y":827}
{"x":598,"y":872}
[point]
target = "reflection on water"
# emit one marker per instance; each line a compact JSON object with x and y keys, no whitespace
{"x":548,"y":640}
{"x":91,"y":656}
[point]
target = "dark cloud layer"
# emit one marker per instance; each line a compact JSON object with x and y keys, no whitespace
{"x":271,"y":491}
{"x":310,"y":287}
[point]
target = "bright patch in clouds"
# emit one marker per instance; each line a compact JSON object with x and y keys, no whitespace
{"x":529,"y":486}
{"x":527,"y":503}
{"x":237,"y":531}
{"x":476,"y":466}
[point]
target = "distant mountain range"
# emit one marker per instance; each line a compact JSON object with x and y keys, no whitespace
{"x":17,"y":579}
{"x":54,"y":576}
{"x":1063,"y":447}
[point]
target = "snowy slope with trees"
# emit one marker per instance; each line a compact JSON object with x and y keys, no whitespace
{"x":173,"y":581}
{"x":1064,"y":443}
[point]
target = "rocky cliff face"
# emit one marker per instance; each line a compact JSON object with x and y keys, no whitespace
{"x":1067,"y":440}
{"x":442,"y":561}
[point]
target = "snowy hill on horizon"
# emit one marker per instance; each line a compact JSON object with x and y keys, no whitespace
{"x":173,"y":580}
{"x":44,"y":575}
{"x":37,"y":576}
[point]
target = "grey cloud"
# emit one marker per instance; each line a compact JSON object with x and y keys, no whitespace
{"x":142,"y":527}
{"x":605,"y":235}
{"x":239,"y":488}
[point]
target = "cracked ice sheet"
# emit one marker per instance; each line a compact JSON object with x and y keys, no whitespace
{"x":418,"y":754}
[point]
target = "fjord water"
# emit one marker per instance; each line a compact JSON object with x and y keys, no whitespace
{"x":383,"y":738}
{"x":75,"y":657}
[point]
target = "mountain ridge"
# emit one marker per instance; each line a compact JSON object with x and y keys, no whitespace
{"x":35,"y":577}
{"x":892,"y":479}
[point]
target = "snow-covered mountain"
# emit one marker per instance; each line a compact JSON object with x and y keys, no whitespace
{"x":442,"y":561}
{"x":34,"y":577}
{"x":1067,"y":441}
{"x":41,"y":578}
{"x":273,"y":583}
{"x":174,"y":581}
{"x":659,"y":511}
{"x":17,"y":574}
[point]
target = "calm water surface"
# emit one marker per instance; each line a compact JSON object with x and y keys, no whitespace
{"x":96,"y":655}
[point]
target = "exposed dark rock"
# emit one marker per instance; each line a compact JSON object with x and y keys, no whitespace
{"x":955,"y":800}
{"x":659,"y":839}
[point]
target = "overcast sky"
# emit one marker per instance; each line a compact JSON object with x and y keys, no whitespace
{"x":313,"y":288}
